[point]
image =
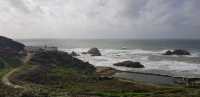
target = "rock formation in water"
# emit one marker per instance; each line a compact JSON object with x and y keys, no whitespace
{"x":177,"y":52}
{"x":94,"y":52}
{"x":129,"y":64}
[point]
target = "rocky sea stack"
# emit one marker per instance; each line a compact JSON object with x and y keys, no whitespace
{"x":177,"y":52}
{"x":129,"y":64}
{"x":94,"y":52}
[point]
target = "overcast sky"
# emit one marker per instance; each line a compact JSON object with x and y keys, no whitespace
{"x":100,"y":18}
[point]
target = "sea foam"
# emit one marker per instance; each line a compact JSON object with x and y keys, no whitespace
{"x":151,"y":59}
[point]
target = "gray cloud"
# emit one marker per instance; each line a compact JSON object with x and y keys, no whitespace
{"x":20,"y":5}
{"x":100,"y":18}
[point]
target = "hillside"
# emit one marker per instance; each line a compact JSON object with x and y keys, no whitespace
{"x":11,"y":52}
{"x":54,"y":68}
{"x":9,"y":46}
{"x":58,"y":74}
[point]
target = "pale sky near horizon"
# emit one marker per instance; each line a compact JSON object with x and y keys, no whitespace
{"x":100,"y":18}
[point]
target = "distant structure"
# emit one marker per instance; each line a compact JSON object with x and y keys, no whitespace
{"x":33,"y":49}
{"x":188,"y":81}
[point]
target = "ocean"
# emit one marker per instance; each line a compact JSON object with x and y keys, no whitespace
{"x":148,"y":52}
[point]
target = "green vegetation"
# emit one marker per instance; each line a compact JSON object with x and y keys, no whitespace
{"x":4,"y":71}
{"x":128,"y":94}
{"x":4,"y":90}
{"x":6,"y":61}
{"x":59,"y":75}
{"x":61,"y":81}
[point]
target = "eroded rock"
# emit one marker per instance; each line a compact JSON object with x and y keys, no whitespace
{"x":94,"y":52}
{"x":177,"y":52}
{"x":129,"y":64}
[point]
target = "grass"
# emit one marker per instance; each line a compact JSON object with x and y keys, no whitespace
{"x":60,"y":81}
{"x":6,"y":91}
{"x":131,"y":94}
{"x":4,"y":71}
{"x":6,"y":62}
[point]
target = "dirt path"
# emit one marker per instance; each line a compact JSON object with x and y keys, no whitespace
{"x":27,"y":58}
{"x":5,"y":79}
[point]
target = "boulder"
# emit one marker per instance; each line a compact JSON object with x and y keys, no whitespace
{"x":129,"y":64}
{"x":94,"y":52}
{"x":181,"y":52}
{"x":177,"y":52}
{"x":74,"y":54}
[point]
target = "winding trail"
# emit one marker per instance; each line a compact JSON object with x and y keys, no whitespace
{"x":5,"y":79}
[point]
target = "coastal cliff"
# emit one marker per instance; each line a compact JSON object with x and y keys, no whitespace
{"x":59,"y":74}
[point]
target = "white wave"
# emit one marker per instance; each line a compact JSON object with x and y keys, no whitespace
{"x":171,"y":65}
{"x":111,"y":56}
{"x":134,"y":51}
{"x":77,"y":50}
{"x":195,"y":54}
